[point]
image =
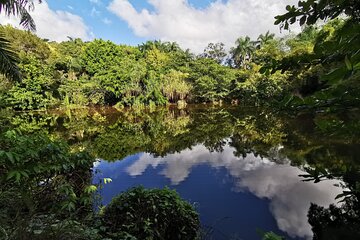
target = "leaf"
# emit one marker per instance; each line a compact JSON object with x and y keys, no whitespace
{"x":302,"y":20}
{"x":344,"y":194}
{"x":357,"y":67}
{"x":107,"y":180}
{"x":11,"y":175}
{"x":348,"y":63}
{"x":24,"y":174}
{"x":10,"y":157}
{"x":335,"y":75}
{"x":8,"y":60}
{"x":90,"y":189}
{"x":277,"y":21}
{"x":263,"y":70}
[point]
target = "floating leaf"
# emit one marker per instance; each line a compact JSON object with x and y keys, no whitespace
{"x":107,"y":180}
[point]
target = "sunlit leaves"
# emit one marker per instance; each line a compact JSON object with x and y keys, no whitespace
{"x":107,"y":180}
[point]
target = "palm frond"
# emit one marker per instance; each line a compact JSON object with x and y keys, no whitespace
{"x":20,"y":8}
{"x":8,"y":60}
{"x":26,"y":20}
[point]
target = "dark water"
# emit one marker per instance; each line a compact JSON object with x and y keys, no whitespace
{"x":240,"y":167}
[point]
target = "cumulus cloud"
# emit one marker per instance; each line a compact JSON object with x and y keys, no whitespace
{"x":54,"y":25}
{"x":221,"y":21}
{"x":289,"y":197}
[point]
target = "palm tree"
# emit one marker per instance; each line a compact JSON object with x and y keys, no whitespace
{"x":263,"y":39}
{"x":8,"y":58}
{"x":243,"y":52}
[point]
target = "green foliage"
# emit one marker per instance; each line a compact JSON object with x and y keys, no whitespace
{"x":35,"y":90}
{"x":309,"y":11}
{"x":215,"y":51}
{"x":271,"y":236}
{"x":334,"y":49}
{"x":66,"y":56}
{"x":211,"y":81}
{"x":41,"y":177}
{"x":26,"y":43}
{"x":243,"y":52}
{"x":151,"y":214}
{"x":320,"y":61}
{"x":265,"y":38}
{"x":175,"y":85}
{"x":8,"y":59}
{"x":335,"y":222}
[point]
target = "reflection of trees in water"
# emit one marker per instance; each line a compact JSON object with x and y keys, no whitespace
{"x":327,"y":144}
{"x":168,"y":130}
{"x":343,"y":221}
{"x":333,"y":153}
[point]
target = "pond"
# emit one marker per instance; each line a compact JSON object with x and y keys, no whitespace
{"x":244,"y":169}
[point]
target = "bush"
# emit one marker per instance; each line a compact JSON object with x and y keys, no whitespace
{"x":151,"y":214}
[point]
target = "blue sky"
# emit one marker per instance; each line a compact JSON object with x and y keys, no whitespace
{"x":95,"y":14}
{"x":191,"y":23}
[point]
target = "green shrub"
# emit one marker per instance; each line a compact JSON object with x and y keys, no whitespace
{"x":151,"y":214}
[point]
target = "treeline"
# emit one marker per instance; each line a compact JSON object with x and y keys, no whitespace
{"x":314,"y":68}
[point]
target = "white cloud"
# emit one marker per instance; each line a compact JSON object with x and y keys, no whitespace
{"x":289,"y":197}
{"x":94,"y":12}
{"x":221,"y":21}
{"x":106,"y":21}
{"x":54,"y":25}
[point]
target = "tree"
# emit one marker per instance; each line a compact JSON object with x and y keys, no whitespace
{"x":324,"y":61}
{"x":174,"y":85}
{"x":243,"y":52}
{"x":20,"y":8}
{"x":265,"y":38}
{"x":166,"y":47}
{"x":215,"y":51}
{"x":310,"y":11}
{"x":211,"y":81}
{"x":8,"y":59}
{"x":100,"y":55}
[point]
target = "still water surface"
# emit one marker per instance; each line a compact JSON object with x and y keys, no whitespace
{"x":241,"y":178}
{"x":235,"y":196}
{"x":240,"y":167}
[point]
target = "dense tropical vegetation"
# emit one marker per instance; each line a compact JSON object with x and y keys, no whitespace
{"x":315,"y":68}
{"x":46,"y":159}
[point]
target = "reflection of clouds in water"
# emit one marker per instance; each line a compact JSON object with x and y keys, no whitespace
{"x":178,"y":166}
{"x":289,"y":197}
{"x":97,"y":163}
